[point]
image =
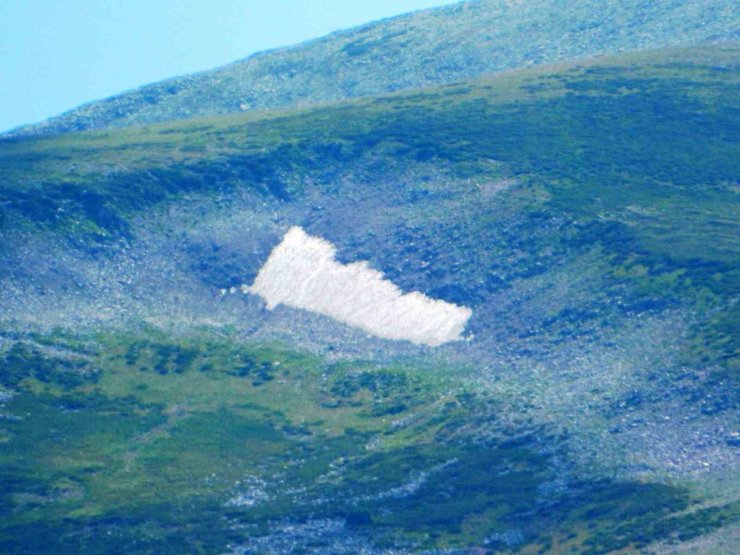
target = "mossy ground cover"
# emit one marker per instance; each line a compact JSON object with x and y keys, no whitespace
{"x":152,"y":442}
{"x":636,"y":154}
{"x":167,"y":443}
{"x":664,"y":119}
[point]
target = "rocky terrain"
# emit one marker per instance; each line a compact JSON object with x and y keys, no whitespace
{"x":585,"y":212}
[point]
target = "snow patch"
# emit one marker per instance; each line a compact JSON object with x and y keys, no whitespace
{"x":301,"y":272}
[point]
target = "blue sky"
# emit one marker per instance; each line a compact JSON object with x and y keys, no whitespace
{"x":58,"y":54}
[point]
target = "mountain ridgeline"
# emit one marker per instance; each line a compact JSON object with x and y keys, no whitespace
{"x":424,"y":48}
{"x":581,"y":216}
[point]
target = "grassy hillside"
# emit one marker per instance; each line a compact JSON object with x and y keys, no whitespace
{"x":139,"y":443}
{"x":587,"y":213}
{"x":425,"y":48}
{"x":637,"y":155}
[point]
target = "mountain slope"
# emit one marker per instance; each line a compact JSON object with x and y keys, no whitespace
{"x":587,"y":213}
{"x":420,"y":49}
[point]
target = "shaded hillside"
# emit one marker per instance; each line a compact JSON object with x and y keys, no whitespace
{"x":587,"y":213}
{"x":617,"y":177}
{"x":420,"y":49}
{"x":143,"y":443}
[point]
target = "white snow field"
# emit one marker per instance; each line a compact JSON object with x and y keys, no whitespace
{"x":301,"y":272}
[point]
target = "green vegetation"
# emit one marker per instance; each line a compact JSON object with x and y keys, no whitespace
{"x":448,"y":44}
{"x":199,"y":456}
{"x":623,"y":170}
{"x":678,"y":118}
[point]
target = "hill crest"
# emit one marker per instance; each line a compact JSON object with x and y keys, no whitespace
{"x":420,"y":49}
